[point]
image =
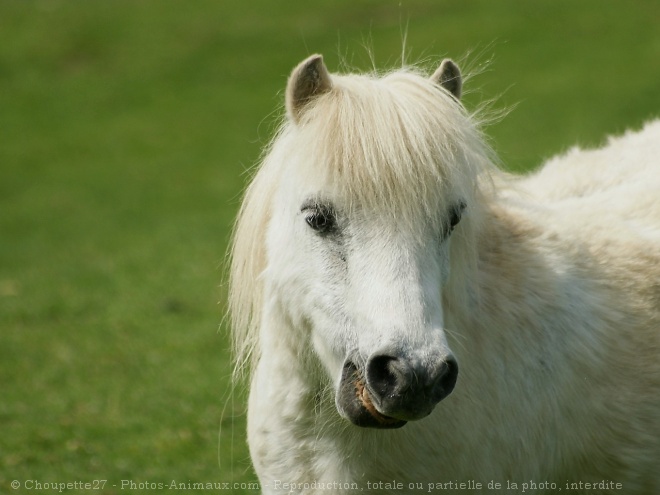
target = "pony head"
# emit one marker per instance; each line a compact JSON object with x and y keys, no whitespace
{"x":355,"y":235}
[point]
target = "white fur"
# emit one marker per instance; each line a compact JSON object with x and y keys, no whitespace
{"x":547,"y":293}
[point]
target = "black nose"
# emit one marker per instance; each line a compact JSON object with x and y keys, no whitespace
{"x":406,"y":391}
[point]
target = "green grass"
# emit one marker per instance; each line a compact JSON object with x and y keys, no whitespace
{"x":126,"y":128}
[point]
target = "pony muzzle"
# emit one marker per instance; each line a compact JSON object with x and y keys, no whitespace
{"x":388,"y":391}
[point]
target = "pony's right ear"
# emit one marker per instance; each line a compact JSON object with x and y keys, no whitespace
{"x":308,"y":80}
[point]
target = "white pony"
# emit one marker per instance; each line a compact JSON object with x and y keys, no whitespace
{"x":414,"y":320}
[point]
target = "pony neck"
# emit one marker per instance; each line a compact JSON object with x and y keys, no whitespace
{"x":508,"y":300}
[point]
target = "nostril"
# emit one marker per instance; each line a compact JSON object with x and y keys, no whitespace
{"x":387,"y":375}
{"x":446,"y":378}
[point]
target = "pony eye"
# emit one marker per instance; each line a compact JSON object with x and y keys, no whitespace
{"x":320,"y":218}
{"x":455,"y":214}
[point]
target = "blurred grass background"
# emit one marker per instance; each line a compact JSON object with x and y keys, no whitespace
{"x":126,"y":129}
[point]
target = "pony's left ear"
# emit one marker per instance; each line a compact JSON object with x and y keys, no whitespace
{"x":449,"y":77}
{"x":307,"y":81}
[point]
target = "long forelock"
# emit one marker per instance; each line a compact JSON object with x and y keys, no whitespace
{"x":397,"y":143}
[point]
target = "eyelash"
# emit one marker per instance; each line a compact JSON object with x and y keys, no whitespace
{"x":320,"y":218}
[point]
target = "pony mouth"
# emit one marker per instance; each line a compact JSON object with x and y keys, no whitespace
{"x":354,"y":401}
{"x":364,"y":397}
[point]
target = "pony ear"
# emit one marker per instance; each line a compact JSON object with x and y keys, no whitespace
{"x":448,"y":76}
{"x":308,"y":80}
